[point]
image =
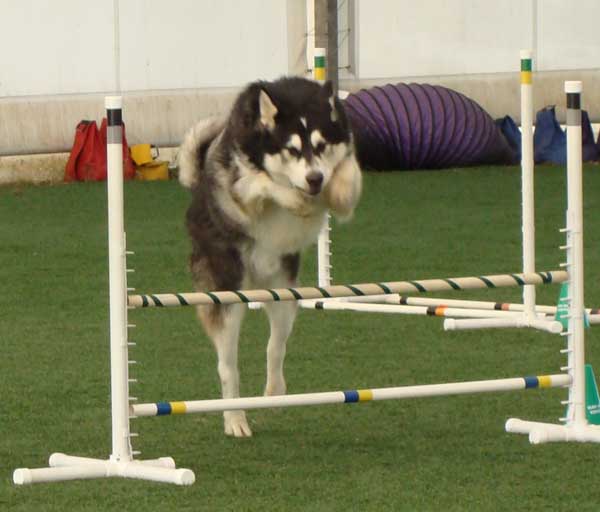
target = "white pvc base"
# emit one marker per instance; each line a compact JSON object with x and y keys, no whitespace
{"x":66,"y":467}
{"x":520,"y":322}
{"x":548,"y":432}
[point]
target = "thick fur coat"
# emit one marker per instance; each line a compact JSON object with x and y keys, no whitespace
{"x":262,"y":181}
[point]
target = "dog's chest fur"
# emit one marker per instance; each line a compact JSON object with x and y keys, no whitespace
{"x":276,"y":233}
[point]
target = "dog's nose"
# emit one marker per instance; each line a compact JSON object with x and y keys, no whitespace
{"x":314,"y":180}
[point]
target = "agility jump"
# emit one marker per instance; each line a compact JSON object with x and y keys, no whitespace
{"x":121,"y":462}
{"x":466,"y":311}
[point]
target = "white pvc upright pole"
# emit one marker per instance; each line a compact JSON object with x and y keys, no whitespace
{"x":576,"y":411}
{"x":576,"y":427}
{"x":527,"y":179}
{"x":324,"y":241}
{"x":121,"y":446}
{"x":120,"y":464}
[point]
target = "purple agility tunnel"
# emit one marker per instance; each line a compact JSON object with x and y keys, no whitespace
{"x":421,"y":126}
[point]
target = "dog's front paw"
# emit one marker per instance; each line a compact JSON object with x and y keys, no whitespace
{"x":236,"y":424}
{"x":251,"y":188}
{"x":300,"y":203}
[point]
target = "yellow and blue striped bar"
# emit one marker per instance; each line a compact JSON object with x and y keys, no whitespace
{"x":360,"y":395}
{"x":166,"y":408}
{"x":539,"y":381}
{"x":350,"y":396}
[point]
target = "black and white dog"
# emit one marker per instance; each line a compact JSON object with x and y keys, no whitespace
{"x":262,"y":181}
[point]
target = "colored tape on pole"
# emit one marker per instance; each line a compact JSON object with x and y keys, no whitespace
{"x":526,"y":71}
{"x":166,"y":408}
{"x":540,"y":381}
{"x":320,"y":68}
{"x":361,"y":395}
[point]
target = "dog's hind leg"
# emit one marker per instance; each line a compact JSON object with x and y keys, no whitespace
{"x":281,"y":320}
{"x":222,"y":324}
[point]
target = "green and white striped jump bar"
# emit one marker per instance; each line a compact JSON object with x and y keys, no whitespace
{"x":346,"y":290}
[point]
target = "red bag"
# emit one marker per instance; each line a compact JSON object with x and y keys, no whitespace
{"x":87,"y":161}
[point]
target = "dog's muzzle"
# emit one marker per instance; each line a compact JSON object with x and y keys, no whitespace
{"x":315,"y":181}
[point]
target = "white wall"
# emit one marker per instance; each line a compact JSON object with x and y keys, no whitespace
{"x":568,"y":34}
{"x":404,"y":38}
{"x":75,"y":46}
{"x":54,"y":47}
{"x":208,"y":43}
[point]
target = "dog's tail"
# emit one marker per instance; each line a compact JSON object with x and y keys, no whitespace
{"x":192,"y":152}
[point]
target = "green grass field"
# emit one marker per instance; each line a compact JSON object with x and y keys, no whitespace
{"x":449,"y":454}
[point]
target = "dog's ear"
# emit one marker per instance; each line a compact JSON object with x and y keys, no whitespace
{"x":267,"y":110}
{"x":329,"y":93}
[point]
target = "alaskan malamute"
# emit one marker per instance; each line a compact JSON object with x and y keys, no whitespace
{"x":262,"y":181}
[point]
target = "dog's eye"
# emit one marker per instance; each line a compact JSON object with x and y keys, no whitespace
{"x":294,"y":152}
{"x":319,"y":148}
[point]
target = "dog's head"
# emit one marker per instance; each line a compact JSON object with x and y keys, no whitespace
{"x":293,"y":129}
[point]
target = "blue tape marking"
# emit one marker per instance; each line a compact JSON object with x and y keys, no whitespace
{"x":163,"y":408}
{"x":531,"y":382}
{"x":350,"y":396}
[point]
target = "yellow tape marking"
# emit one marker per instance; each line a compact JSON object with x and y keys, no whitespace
{"x":545,"y":381}
{"x":365,"y":395}
{"x":178,"y":408}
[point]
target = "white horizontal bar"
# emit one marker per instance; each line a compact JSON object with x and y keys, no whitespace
{"x":519,"y":322}
{"x":440,"y":311}
{"x":456,"y":303}
{"x":333,"y":397}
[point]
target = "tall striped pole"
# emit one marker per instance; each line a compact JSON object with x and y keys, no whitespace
{"x":527,"y":179}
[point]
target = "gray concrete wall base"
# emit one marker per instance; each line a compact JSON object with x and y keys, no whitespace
{"x":46,"y":125}
{"x":49,"y":167}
